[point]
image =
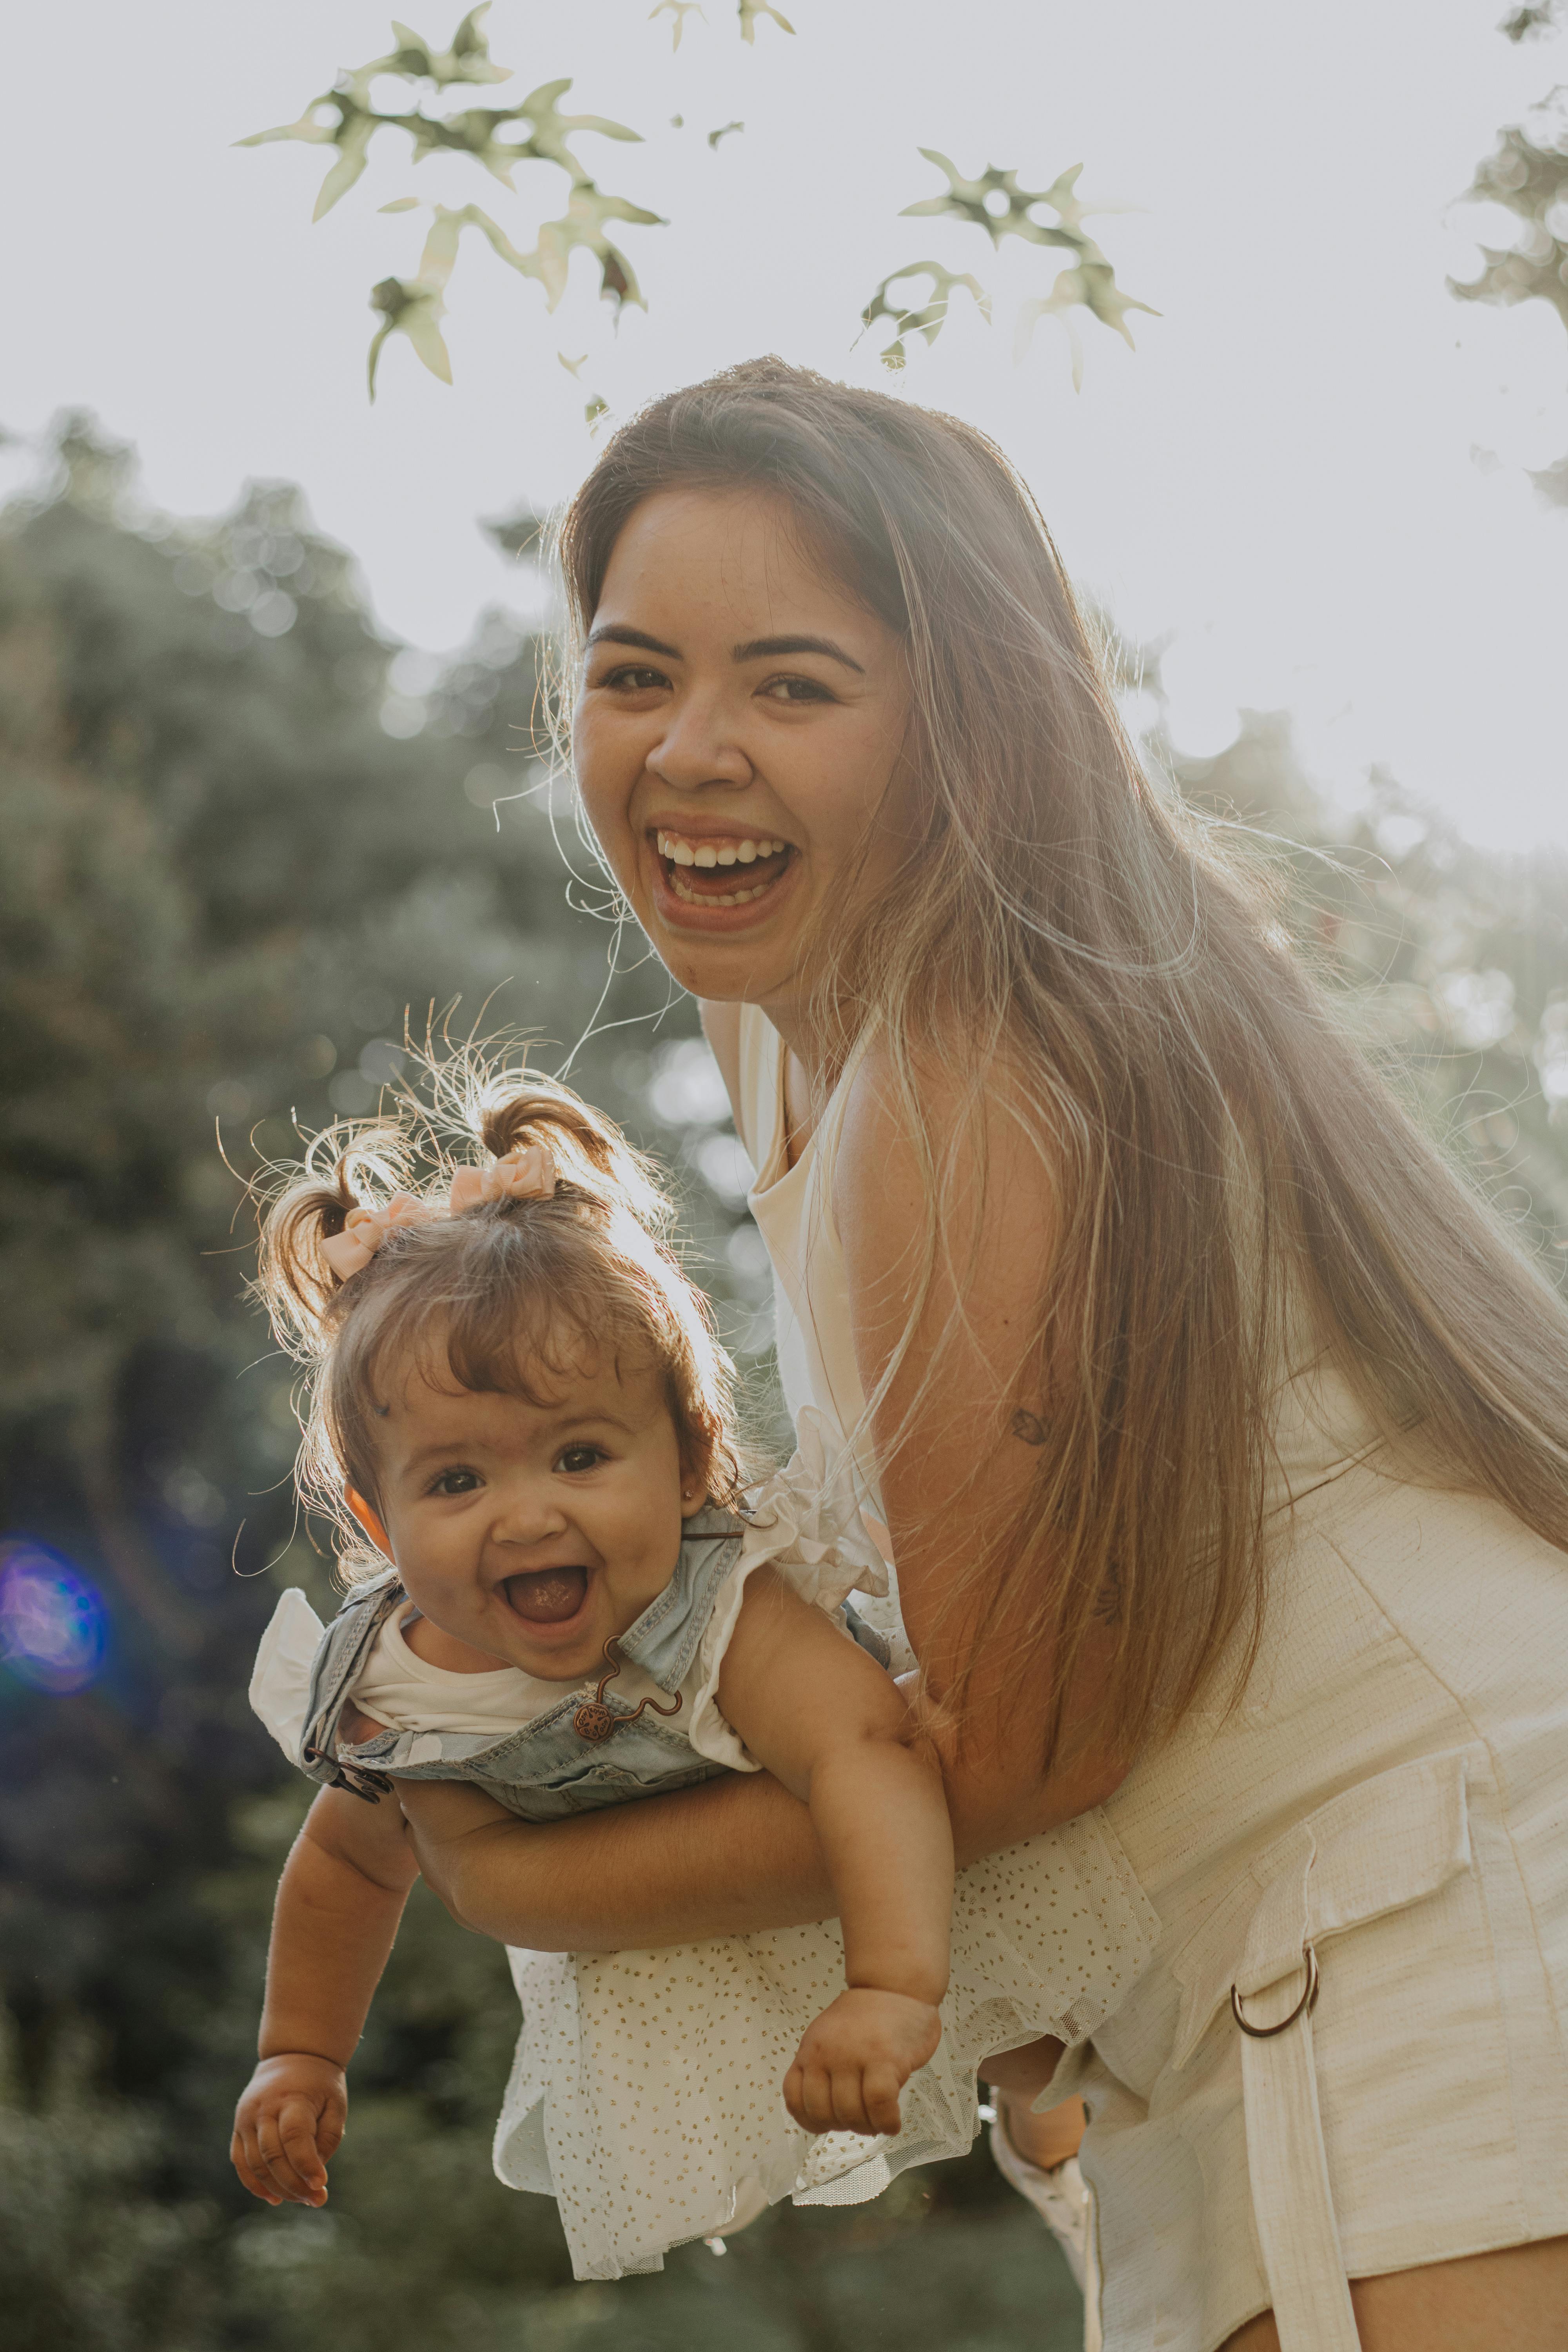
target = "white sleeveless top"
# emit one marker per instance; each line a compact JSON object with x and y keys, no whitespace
{"x":794,"y":1210}
{"x":1391,"y":1795}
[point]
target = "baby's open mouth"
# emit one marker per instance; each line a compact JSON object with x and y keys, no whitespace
{"x":720,"y":871}
{"x":547,"y":1596}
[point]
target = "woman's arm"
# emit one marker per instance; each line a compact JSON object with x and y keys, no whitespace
{"x":334,"y":1922}
{"x":953,"y":1443}
{"x":726,"y":1858}
{"x":731,"y":1857}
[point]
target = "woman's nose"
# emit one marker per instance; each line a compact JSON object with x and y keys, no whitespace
{"x":699,"y":746}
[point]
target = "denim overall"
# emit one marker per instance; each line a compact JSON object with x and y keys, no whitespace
{"x":547,"y":1769}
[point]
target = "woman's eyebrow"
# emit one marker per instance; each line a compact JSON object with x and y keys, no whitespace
{"x":759,"y":650}
{"x":613,"y":634}
{"x":773,"y":648}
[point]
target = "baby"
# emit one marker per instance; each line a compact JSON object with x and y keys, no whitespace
{"x":516,"y":1394}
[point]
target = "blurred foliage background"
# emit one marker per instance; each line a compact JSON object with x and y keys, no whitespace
{"x":244,"y":834}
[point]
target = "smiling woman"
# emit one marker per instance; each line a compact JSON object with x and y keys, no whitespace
{"x":1198,"y":1399}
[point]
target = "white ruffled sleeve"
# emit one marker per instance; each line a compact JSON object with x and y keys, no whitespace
{"x":806,"y":1523}
{"x":280,"y":1679}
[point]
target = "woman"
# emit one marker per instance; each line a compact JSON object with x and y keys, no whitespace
{"x":1221,"y":1435}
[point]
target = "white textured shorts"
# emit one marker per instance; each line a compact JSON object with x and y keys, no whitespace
{"x":1415,"y":2111}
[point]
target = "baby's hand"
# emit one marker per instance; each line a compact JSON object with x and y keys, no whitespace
{"x":856,"y":2058}
{"x":291,"y":2118}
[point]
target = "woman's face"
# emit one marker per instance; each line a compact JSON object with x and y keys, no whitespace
{"x":739,"y":720}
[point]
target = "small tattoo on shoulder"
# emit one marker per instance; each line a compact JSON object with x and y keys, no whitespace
{"x":1028,"y":1428}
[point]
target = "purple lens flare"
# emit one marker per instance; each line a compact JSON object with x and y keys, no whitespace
{"x":53,"y":1628}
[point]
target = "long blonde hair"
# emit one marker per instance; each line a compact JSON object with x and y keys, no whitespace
{"x":1062,"y":920}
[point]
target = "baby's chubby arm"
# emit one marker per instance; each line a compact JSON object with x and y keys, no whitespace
{"x":339,"y":1903}
{"x":824,"y":1719}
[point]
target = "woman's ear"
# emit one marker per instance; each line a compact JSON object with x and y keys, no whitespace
{"x":370,"y":1520}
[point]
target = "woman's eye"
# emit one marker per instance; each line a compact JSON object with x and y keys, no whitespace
{"x":455,"y":1482}
{"x":631,"y":680}
{"x":796,"y":689}
{"x":577,"y":1458}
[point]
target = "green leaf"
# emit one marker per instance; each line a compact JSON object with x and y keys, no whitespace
{"x":353,"y":154}
{"x":931,"y":316}
{"x":751,"y":9}
{"x":679,"y":10}
{"x":413,"y":308}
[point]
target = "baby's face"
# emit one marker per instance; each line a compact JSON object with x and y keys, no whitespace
{"x":534,"y":1534}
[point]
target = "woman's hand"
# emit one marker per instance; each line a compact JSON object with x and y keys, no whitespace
{"x":452,"y":1827}
{"x":287,"y":2125}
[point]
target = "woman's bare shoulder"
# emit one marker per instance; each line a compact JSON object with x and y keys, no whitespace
{"x":983,"y":1135}
{"x":986,"y":1156}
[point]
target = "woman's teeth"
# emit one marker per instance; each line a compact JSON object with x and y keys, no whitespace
{"x":707,"y":854}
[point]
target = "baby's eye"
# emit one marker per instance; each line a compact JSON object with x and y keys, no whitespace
{"x":577,"y":1458}
{"x":455,"y":1482}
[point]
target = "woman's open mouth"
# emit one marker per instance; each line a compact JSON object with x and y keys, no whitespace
{"x":720,"y":872}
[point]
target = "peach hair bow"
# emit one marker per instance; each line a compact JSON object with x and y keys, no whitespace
{"x":528,"y":1172}
{"x":364,"y":1230}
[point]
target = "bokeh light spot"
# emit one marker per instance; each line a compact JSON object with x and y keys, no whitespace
{"x":52,"y":1622}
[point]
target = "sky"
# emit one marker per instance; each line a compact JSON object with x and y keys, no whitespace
{"x":1307,"y":485}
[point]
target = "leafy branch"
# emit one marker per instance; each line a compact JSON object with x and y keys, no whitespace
{"x":995,"y":202}
{"x":344,"y":117}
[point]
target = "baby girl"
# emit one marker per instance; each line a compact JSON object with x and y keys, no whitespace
{"x":516,"y":1393}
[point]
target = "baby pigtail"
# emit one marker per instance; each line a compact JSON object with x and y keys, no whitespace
{"x":297,"y":1280}
{"x":591,"y":1153}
